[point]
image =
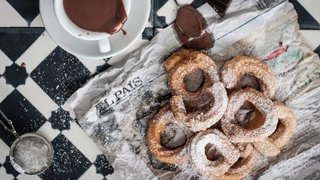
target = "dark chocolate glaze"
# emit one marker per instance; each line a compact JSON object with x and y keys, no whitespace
{"x":190,"y":21}
{"x":190,"y":29}
{"x":194,"y":81}
{"x":181,"y":36}
{"x":173,"y":137}
{"x":212,"y":153}
{"x":97,"y":15}
{"x":205,"y":41}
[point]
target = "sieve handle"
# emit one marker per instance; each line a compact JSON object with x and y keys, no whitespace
{"x":12,"y":129}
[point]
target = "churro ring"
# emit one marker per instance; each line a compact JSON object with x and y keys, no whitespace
{"x":194,"y":62}
{"x":211,"y":153}
{"x":271,"y":146}
{"x":200,"y":120}
{"x":239,"y":66}
{"x":156,"y":127}
{"x":176,"y":57}
{"x":243,"y":166}
{"x":239,"y":134}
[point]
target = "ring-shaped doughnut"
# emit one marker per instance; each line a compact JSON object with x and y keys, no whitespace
{"x":194,"y":62}
{"x":234,"y":69}
{"x":229,"y":154}
{"x":287,"y":123}
{"x":235,"y":131}
{"x":157,"y":125}
{"x":175,"y":57}
{"x":200,"y":120}
{"x":243,"y":166}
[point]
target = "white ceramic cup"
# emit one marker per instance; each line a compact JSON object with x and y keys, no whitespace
{"x":101,"y":38}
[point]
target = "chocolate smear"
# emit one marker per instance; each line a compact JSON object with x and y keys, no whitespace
{"x":106,"y":16}
{"x":190,"y":21}
{"x":211,"y":152}
{"x":194,"y":81}
{"x":205,"y":41}
{"x":190,"y":28}
{"x":181,"y":36}
{"x":173,"y":136}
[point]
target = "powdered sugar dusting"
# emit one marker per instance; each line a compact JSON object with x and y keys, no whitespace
{"x":219,"y":141}
{"x":233,"y":129}
{"x":202,"y":121}
{"x":234,"y":69}
{"x":30,"y":155}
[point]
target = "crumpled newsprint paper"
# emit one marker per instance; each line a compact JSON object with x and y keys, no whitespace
{"x":114,"y":107}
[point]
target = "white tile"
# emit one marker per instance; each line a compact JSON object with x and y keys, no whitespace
{"x":38,"y":51}
{"x":5,"y":89}
{"x":4,"y":61}
{"x":312,"y":6}
{"x":168,"y":10}
{"x":184,"y":2}
{"x":37,"y":22}
{"x":311,"y":38}
{"x":67,"y":107}
{"x":91,"y":174}
{"x":27,"y":177}
{"x":4,"y":151}
{"x":82,"y":141}
{"x":46,"y":131}
{"x":10,"y":17}
{"x":4,"y":175}
{"x":91,"y":64}
{"x":38,"y":98}
{"x":114,"y":176}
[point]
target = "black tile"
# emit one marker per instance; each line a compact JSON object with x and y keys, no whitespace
{"x":9,"y":168}
{"x":317,"y":50}
{"x":305,"y":19}
{"x":25,"y":117}
{"x":15,"y":75}
{"x":28,"y":10}
{"x":154,"y":19}
{"x":60,"y":75}
{"x":68,"y":161}
{"x":60,"y":119}
{"x":103,"y":67}
{"x":198,"y":3}
{"x":103,"y":166}
{"x":15,"y":41}
{"x":148,"y":33}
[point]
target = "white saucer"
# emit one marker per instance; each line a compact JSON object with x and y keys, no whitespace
{"x":137,"y":18}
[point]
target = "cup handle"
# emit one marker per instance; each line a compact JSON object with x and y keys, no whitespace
{"x":104,"y":45}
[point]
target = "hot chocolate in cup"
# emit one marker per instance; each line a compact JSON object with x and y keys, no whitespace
{"x":92,"y":20}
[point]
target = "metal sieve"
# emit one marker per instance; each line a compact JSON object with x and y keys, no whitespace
{"x":30,"y":153}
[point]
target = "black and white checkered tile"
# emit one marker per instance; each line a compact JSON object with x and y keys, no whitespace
{"x":37,"y":77}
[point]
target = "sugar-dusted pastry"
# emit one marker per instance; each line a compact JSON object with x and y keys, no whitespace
{"x":158,"y":142}
{"x":196,"y":61}
{"x":243,"y":166}
{"x":272,"y":145}
{"x":211,"y":153}
{"x":239,"y":134}
{"x":240,"y":66}
{"x":201,"y":120}
{"x":175,"y":57}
